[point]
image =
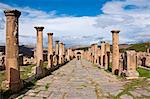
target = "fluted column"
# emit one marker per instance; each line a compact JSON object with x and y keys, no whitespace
{"x":12,"y":50}
{"x":115,"y":51}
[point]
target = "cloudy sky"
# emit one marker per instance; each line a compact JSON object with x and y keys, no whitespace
{"x":80,"y":22}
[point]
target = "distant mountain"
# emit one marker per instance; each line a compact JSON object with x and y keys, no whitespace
{"x":123,"y":47}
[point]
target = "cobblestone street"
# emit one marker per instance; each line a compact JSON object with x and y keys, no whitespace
{"x":79,"y":79}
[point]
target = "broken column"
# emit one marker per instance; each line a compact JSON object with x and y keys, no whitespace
{"x":50,"y":50}
{"x":107,"y":55}
{"x":39,"y":50}
{"x":130,"y":57}
{"x":102,"y":54}
{"x":12,"y":51}
{"x":115,"y":51}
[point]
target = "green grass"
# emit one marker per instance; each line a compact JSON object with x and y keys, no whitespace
{"x":47,"y":86}
{"x":138,"y":47}
{"x":2,"y":77}
{"x":143,"y":72}
{"x":45,"y":64}
{"x":138,"y":83}
{"x":26,"y":71}
{"x":110,"y":67}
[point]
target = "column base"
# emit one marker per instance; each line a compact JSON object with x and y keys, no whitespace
{"x":132,"y":75}
{"x":12,"y":86}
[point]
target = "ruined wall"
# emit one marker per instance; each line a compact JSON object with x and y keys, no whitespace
{"x":143,"y":59}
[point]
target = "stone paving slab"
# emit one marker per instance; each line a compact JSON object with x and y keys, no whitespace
{"x":79,"y":79}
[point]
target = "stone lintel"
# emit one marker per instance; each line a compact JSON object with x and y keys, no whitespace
{"x":115,"y":31}
{"x":40,"y":28}
{"x":14,"y":12}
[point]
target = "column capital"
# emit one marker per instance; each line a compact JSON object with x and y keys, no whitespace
{"x":49,"y":33}
{"x":57,"y":41}
{"x":115,"y":31}
{"x":12,"y":13}
{"x":61,"y":43}
{"x":92,"y":44}
{"x":40,"y":28}
{"x":102,"y":41}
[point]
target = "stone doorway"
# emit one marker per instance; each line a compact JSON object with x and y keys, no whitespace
{"x":143,"y":61}
{"x":78,"y":55}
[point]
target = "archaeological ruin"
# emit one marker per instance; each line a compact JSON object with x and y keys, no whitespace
{"x":43,"y":62}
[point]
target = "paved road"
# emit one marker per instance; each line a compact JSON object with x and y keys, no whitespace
{"x":79,"y":79}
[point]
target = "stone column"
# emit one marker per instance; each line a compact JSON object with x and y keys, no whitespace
{"x":107,"y":55}
{"x":68,"y":54}
{"x":61,"y":53}
{"x":99,"y":56}
{"x":92,"y":50}
{"x":50,"y":50}
{"x":95,"y":53}
{"x":13,"y":81}
{"x":115,"y":51}
{"x":102,"y":54}
{"x":130,"y":57}
{"x":63,"y":50}
{"x":39,"y":50}
{"x":57,"y":52}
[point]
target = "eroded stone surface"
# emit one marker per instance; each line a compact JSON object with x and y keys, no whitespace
{"x":79,"y":79}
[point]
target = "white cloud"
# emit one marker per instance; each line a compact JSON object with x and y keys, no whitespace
{"x":133,"y":23}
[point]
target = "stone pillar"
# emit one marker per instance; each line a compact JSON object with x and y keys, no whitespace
{"x":92,"y":50}
{"x":148,"y":50}
{"x":107,"y":55}
{"x":12,"y":50}
{"x":63,"y":50}
{"x":39,"y":50}
{"x":50,"y":50}
{"x":96,"y":53}
{"x":115,"y":51}
{"x":68,"y":54}
{"x":57,"y":52}
{"x":130,"y":57}
{"x":61,"y":53}
{"x":99,"y":56}
{"x":102,"y":54}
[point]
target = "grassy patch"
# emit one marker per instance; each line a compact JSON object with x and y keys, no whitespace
{"x":26,"y":71}
{"x":138,"y":83}
{"x":45,"y":64}
{"x":47,"y":86}
{"x":138,"y":47}
{"x":143,"y":72}
{"x":2,"y":77}
{"x":110,"y":67}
